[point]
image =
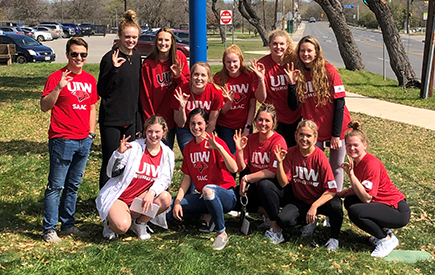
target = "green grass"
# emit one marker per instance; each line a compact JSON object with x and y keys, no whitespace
{"x":216,"y":48}
{"x":408,"y":153}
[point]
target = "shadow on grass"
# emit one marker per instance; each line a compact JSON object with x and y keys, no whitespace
{"x":22,"y":88}
{"x":22,"y":147}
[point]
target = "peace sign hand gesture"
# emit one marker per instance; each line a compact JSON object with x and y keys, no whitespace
{"x":117,"y":61}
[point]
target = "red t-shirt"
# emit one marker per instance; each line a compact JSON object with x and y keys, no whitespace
{"x":276,"y":81}
{"x":310,"y":176}
{"x":70,"y":114}
{"x":323,"y":115}
{"x":206,"y":166}
{"x":374,"y":177}
{"x":211,"y":99}
{"x":144,"y":178}
{"x":244,"y":87}
{"x":259,"y":156}
{"x":157,"y":87}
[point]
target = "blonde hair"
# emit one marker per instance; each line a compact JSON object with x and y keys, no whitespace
{"x":268,"y":108}
{"x":356,"y":130}
{"x":289,"y":54}
{"x":309,"y":124}
{"x":223,"y":74}
{"x":128,"y":20}
{"x":319,"y":76}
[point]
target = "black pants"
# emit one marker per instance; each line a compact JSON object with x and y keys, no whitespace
{"x":273,"y":196}
{"x":288,"y":132}
{"x":110,"y":137}
{"x":373,"y":217}
{"x":296,"y":212}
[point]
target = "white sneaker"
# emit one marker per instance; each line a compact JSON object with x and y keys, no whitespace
{"x":234,"y":214}
{"x":107,"y":232}
{"x":332,"y":244}
{"x":385,"y":246}
{"x":51,"y":237}
{"x":375,"y":241}
{"x":220,"y":242}
{"x":265,"y":224}
{"x":308,"y":230}
{"x":273,"y":236}
{"x":141,"y":230}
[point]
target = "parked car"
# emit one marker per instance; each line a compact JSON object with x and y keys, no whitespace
{"x":53,"y":33}
{"x":183,"y":35}
{"x":28,"y":49}
{"x":11,"y":29}
{"x":66,"y":31}
{"x":144,"y":28}
{"x":145,"y":45}
{"x":38,"y":35}
{"x":57,"y":28}
{"x":312,"y":20}
{"x":76,"y":27}
{"x":178,"y":39}
{"x":87,"y":28}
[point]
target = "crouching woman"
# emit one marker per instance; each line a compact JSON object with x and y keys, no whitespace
{"x":209,"y":164}
{"x":142,"y":168}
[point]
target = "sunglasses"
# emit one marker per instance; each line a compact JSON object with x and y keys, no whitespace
{"x":74,"y":54}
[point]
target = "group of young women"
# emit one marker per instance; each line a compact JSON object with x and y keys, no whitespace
{"x":289,"y":177}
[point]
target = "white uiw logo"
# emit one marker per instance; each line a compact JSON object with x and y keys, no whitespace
{"x":148,"y":170}
{"x":303,"y":174}
{"x":240,"y":88}
{"x":198,"y":104}
{"x":278,"y":80}
{"x":199,"y":157}
{"x":78,"y":86}
{"x":260,"y":158}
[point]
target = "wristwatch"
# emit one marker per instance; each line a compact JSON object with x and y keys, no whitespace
{"x":92,"y":135}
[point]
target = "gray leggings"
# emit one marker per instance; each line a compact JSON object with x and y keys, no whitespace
{"x":336,"y":157}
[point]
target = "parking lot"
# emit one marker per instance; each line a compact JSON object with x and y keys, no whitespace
{"x":98,"y":46}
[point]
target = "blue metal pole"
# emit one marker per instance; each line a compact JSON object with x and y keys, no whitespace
{"x":198,"y":31}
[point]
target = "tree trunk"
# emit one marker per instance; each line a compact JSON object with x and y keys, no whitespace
{"x":246,"y":10}
{"x":274,"y":15}
{"x":399,"y":61}
{"x":217,"y":16}
{"x":348,"y":49}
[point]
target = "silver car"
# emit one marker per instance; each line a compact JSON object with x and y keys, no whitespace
{"x":39,"y":35}
{"x":54,"y":34}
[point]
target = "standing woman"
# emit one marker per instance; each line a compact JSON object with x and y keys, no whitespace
{"x":276,"y":81}
{"x":200,"y":92}
{"x":321,"y":93}
{"x":241,"y":87}
{"x":142,"y":168}
{"x":118,"y":87}
{"x":306,"y":168}
{"x":209,"y":164}
{"x":256,"y":152}
{"x":373,"y":203}
{"x":162,"y":71}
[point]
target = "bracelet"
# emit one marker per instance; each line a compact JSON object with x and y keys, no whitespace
{"x":246,"y":178}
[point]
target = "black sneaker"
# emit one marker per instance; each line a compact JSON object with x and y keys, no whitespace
{"x":207,"y":228}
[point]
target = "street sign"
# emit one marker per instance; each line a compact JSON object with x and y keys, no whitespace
{"x":348,"y":6}
{"x":226,"y":17}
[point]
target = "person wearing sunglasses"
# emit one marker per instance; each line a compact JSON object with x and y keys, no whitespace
{"x":71,"y":94}
{"x":118,"y":87}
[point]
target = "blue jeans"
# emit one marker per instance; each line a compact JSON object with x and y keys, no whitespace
{"x":227,"y":134}
{"x":184,"y":136}
{"x":68,"y":158}
{"x":195,"y":205}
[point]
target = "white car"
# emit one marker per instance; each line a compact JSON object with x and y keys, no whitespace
{"x":39,"y":35}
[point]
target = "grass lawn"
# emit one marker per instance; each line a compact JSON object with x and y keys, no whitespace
{"x":408,"y":153}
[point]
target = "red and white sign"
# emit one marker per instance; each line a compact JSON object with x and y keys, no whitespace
{"x":226,"y":17}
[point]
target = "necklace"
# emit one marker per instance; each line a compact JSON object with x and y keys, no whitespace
{"x":129,"y":57}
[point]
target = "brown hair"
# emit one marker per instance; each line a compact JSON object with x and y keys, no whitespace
{"x":269,"y":108}
{"x":76,"y":41}
{"x":155,"y":120}
{"x":319,"y":76}
{"x":154,"y":55}
{"x":223,"y":74}
{"x":310,"y":124}
{"x":356,"y":130}
{"x":128,"y":20}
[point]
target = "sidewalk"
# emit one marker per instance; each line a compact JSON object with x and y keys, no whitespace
{"x":392,"y":111}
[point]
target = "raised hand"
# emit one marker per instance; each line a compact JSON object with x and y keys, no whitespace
{"x":348,"y":166}
{"x":291,"y":73}
{"x":117,"y":61}
{"x":124,"y":145}
{"x":64,"y":79}
{"x":258,"y":68}
{"x":279,"y":153}
{"x":177,"y":68}
{"x":181,"y":97}
{"x":239,"y":140}
{"x":227,"y":93}
{"x":210,"y":141}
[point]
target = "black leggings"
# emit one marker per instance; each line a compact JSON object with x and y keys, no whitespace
{"x":288,"y":132}
{"x":110,"y":137}
{"x":296,"y":212}
{"x":273,"y":196}
{"x":373,"y":217}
